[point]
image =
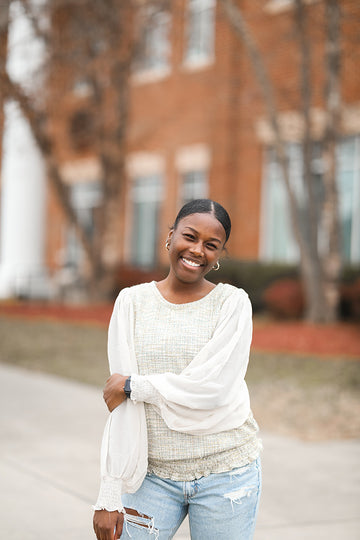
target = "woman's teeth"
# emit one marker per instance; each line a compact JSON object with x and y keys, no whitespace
{"x":190,"y":263}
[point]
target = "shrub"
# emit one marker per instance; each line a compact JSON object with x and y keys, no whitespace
{"x":127,"y":276}
{"x":350,"y":300}
{"x":285,"y":299}
{"x":253,"y":276}
{"x":350,"y":273}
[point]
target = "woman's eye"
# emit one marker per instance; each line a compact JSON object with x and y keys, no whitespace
{"x":211,"y":246}
{"x":190,"y":236}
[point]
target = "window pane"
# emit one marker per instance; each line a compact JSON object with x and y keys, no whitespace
{"x":278,"y":239}
{"x":154,"y":46}
{"x":200,"y":30}
{"x":349,"y":197}
{"x":145,"y":230}
{"x":194,"y":186}
{"x":146,"y":195}
{"x":85,"y":198}
{"x":278,"y":242}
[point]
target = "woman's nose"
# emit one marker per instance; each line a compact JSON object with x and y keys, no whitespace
{"x":197,"y":248}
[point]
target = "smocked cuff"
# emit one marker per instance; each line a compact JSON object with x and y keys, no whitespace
{"x":109,"y":495}
{"x":143,"y":390}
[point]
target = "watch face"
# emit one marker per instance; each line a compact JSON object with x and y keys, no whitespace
{"x":127,"y":387}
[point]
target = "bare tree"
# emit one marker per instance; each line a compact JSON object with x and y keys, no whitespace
{"x":330,"y":212}
{"x":92,"y":43}
{"x":320,"y":265}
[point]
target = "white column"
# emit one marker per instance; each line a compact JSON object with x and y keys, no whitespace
{"x":23,"y":177}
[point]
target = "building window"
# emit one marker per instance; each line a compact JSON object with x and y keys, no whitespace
{"x":194,"y":185}
{"x":349,"y":194}
{"x":147,"y":194}
{"x":153,"y":50}
{"x":193,"y":163}
{"x":85,"y":198}
{"x":278,"y":6}
{"x":200,"y":32}
{"x":277,"y":239}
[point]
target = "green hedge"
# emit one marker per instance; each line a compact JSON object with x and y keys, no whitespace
{"x":254,"y":276}
{"x":350,"y":273}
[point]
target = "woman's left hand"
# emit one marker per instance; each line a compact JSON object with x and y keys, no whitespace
{"x":114,"y":393}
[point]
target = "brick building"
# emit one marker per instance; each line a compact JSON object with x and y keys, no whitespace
{"x":198,"y":129}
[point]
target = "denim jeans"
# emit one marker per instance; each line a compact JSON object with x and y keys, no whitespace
{"x":220,"y":506}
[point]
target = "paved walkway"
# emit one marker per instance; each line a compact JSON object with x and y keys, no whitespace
{"x":50,"y":431}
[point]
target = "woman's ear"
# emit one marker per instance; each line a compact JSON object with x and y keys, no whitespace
{"x":167,"y":243}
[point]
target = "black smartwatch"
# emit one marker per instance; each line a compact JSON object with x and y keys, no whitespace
{"x":127,"y":387}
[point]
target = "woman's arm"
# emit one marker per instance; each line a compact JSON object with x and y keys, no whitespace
{"x":210,"y":394}
{"x":123,"y":458}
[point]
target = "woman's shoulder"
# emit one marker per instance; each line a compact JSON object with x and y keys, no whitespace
{"x":227,"y":291}
{"x":234,"y":301}
{"x":134,"y":292}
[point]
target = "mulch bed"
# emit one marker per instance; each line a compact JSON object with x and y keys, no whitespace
{"x":340,"y":339}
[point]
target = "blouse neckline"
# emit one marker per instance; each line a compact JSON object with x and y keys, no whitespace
{"x":194,"y":302}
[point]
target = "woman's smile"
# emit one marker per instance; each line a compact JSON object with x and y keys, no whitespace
{"x":190,"y":262}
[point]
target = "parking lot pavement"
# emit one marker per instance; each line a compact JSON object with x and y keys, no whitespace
{"x":50,"y":431}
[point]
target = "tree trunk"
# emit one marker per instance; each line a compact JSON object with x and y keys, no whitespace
{"x":330,"y":222}
{"x":311,"y":270}
{"x":111,"y":27}
{"x":317,"y":273}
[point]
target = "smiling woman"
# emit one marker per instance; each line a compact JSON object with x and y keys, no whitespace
{"x":195,"y":244}
{"x":181,"y":438}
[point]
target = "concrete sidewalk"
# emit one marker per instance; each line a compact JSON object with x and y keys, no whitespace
{"x":50,"y":432}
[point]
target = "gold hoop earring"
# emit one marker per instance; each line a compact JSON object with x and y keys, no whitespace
{"x":216,"y":267}
{"x":167,"y":245}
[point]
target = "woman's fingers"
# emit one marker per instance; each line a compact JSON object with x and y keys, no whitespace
{"x":119,"y":526}
{"x":105,"y":523}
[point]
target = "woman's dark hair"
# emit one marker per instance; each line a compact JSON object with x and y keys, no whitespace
{"x":206,"y":206}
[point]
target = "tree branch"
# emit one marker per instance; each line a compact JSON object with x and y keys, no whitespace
{"x":301,"y":25}
{"x":36,"y":119}
{"x":236,"y":19}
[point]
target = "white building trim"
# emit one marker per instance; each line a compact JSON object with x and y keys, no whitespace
{"x":23,"y":175}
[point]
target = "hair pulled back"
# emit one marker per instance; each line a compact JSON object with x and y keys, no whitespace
{"x":206,"y":206}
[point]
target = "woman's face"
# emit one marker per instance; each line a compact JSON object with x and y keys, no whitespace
{"x":195,"y":246}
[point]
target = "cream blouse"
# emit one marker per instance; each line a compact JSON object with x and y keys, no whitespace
{"x":188,"y":363}
{"x":167,"y":337}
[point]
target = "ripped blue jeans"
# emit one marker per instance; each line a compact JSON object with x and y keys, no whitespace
{"x":220,"y":506}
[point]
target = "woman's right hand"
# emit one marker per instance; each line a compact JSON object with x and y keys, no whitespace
{"x":114,"y":393}
{"x":108,"y":525}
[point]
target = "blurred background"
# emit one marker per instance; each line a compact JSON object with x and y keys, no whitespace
{"x":113,"y":114}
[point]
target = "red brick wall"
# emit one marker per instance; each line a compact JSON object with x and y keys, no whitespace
{"x":219,"y":106}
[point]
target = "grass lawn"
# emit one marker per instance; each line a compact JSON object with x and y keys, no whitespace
{"x":308,"y":397}
{"x":75,"y":351}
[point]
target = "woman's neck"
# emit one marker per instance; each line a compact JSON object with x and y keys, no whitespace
{"x":178,"y":292}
